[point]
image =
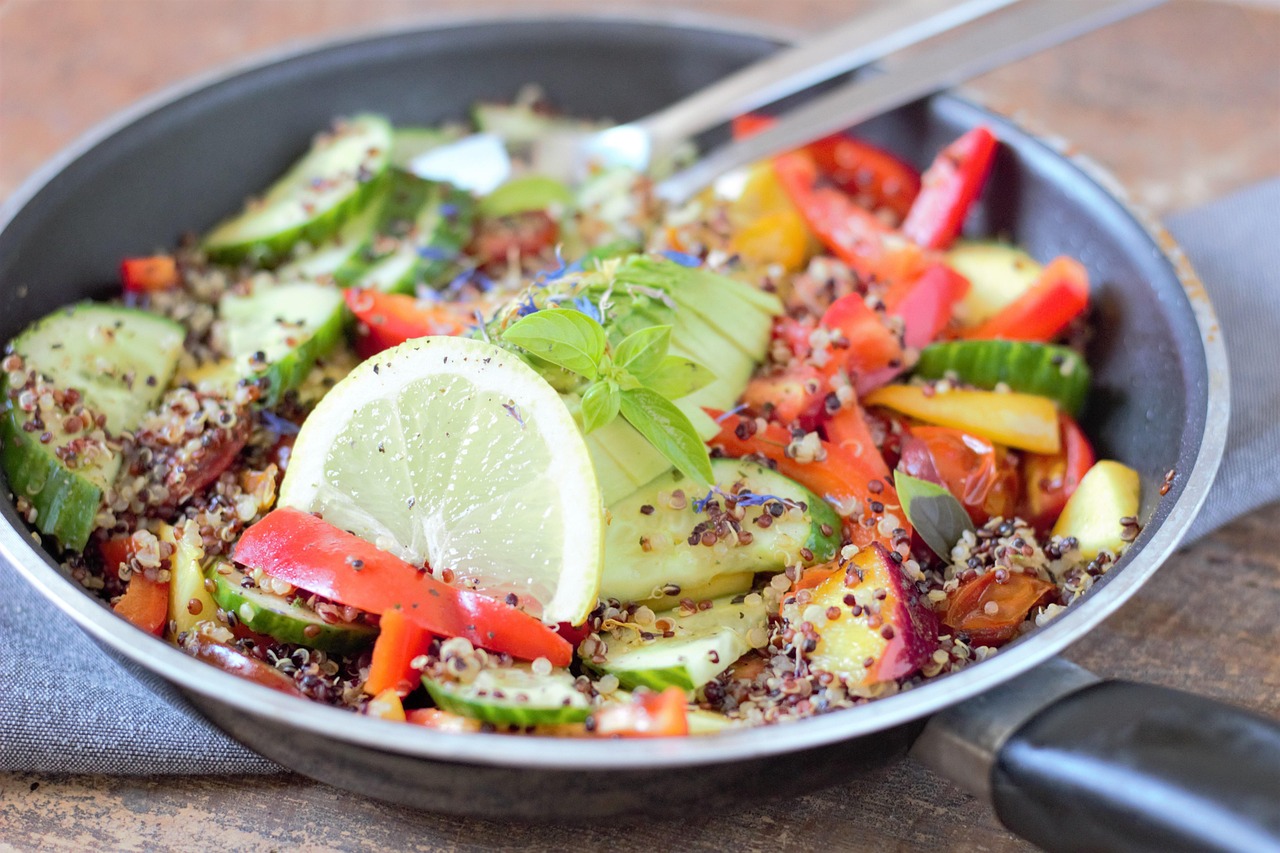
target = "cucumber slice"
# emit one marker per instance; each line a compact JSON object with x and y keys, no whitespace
{"x":519,"y":124}
{"x":998,"y":274}
{"x":312,"y":199}
{"x":408,"y":142}
{"x":513,"y":696}
{"x":1058,"y":373}
{"x":704,"y":722}
{"x":287,"y":621}
{"x":345,"y":246}
{"x":422,"y":231}
{"x":647,"y":541}
{"x":531,"y":192}
{"x":277,"y":333}
{"x":706,"y":643}
{"x":120,"y":360}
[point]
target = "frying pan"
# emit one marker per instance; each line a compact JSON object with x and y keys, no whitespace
{"x":1120,"y":764}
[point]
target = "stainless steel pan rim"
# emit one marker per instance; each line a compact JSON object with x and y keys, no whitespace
{"x":1151,"y":549}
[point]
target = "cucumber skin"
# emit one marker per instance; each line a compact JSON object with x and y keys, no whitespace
{"x":66,"y":502}
{"x":273,"y":250}
{"x":291,"y":371}
{"x":1024,"y":366}
{"x":270,"y":251}
{"x":449,"y":233}
{"x":334,"y":638}
{"x":655,"y":679}
{"x":500,"y":712}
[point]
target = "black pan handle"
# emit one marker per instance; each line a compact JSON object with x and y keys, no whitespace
{"x":1070,"y":763}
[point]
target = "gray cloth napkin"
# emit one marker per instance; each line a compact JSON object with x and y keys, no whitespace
{"x":66,"y":707}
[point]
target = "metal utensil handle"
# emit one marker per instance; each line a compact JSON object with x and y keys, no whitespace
{"x":1027,"y":28}
{"x":868,"y":38}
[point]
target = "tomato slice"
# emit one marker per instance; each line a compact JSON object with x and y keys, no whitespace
{"x":314,"y":555}
{"x":1049,"y":480}
{"x":950,"y":187}
{"x":980,"y":474}
{"x":990,"y":610}
{"x":389,"y":319}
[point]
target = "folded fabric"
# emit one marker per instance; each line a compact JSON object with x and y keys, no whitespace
{"x":67,"y":707}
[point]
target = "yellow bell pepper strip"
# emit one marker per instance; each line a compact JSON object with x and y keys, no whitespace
{"x":387,"y":706}
{"x":314,"y":555}
{"x":1024,"y":421}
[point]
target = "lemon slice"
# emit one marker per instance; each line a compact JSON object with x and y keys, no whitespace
{"x":453,"y":453}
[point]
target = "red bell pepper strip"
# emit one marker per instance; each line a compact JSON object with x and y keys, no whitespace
{"x":950,"y":187}
{"x":851,"y":232}
{"x":848,"y":429}
{"x":145,"y":603}
{"x":388,"y":319}
{"x":648,"y":714}
{"x":399,"y":642}
{"x":147,"y":275}
{"x":1057,"y":297}
{"x":926,"y":304}
{"x":314,"y":555}
{"x":863,"y":170}
{"x":968,"y":611}
{"x":859,"y":168}
{"x":851,"y":482}
{"x":1048,"y":481}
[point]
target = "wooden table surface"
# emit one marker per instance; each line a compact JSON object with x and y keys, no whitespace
{"x":1182,"y":104}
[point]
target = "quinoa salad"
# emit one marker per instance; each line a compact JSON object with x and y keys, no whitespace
{"x":561,"y":459}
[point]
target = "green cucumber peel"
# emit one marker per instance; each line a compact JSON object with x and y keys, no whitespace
{"x":1049,"y":370}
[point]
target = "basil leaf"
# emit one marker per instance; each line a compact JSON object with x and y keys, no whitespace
{"x":600,"y":404}
{"x":642,"y":351}
{"x":934,"y":512}
{"x":668,"y":430}
{"x":567,"y":338}
{"x":677,"y":376}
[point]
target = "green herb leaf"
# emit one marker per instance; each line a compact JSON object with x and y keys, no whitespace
{"x":600,"y":404}
{"x":667,"y":429}
{"x":933,"y":511}
{"x":677,"y":376}
{"x":642,"y":351}
{"x":563,"y":337}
